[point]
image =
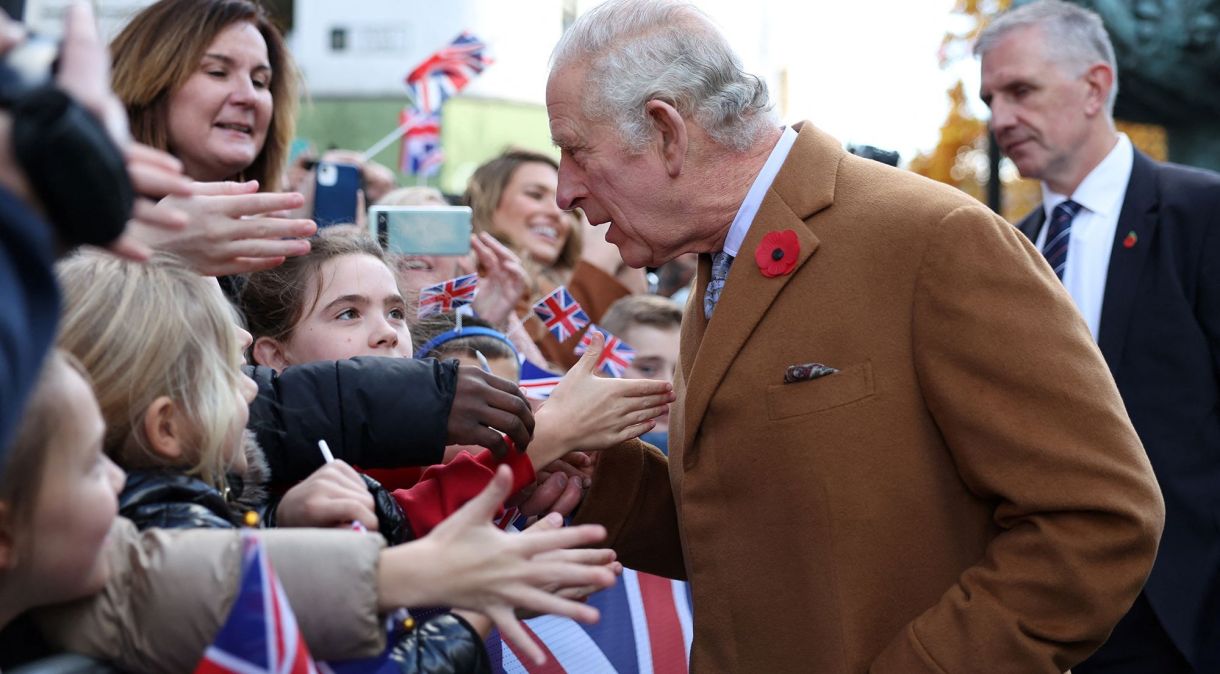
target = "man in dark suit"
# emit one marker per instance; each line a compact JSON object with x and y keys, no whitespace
{"x":1137,"y":244}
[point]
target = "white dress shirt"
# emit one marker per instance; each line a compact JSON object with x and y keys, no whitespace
{"x":758,"y":190}
{"x":1091,"y":241}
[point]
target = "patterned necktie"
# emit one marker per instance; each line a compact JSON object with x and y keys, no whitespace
{"x":1058,"y":234}
{"x":720,"y":271}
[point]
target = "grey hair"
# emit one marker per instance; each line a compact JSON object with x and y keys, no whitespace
{"x":1074,"y":36}
{"x":642,"y":50}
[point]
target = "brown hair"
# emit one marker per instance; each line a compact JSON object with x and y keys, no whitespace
{"x":162,"y":47}
{"x":146,"y":330}
{"x":486,"y":189}
{"x":273,"y":300}
{"x":26,"y":458}
{"x":633,"y":310}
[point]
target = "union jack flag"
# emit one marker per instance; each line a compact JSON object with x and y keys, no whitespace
{"x":420,"y":152}
{"x":261,"y":632}
{"x":616,"y":355}
{"x":447,"y":72}
{"x":447,"y":296}
{"x":536,"y":382}
{"x":645,"y":628}
{"x":561,"y":313}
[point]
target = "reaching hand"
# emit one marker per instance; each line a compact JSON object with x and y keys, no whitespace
{"x":589,"y":412}
{"x":559,"y":487}
{"x":475,"y":566}
{"x":228,"y":231}
{"x":332,"y":496}
{"x":502,"y":280}
{"x":485,"y":407}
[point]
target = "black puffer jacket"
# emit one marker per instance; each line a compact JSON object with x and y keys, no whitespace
{"x":372,"y":412}
{"x":167,"y":500}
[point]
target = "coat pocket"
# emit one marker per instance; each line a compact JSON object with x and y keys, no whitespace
{"x":848,"y":385}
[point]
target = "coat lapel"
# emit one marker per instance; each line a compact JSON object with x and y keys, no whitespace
{"x":1139,"y":215}
{"x":804,"y":186}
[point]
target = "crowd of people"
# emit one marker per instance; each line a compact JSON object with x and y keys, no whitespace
{"x":900,"y":435}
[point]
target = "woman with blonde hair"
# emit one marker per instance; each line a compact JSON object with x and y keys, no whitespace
{"x":213,"y":83}
{"x":512,"y":197}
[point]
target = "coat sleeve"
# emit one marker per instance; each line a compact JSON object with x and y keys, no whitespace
{"x":444,"y":488}
{"x":632,"y":497}
{"x":169,"y":591}
{"x":372,"y":412}
{"x":1034,"y":422}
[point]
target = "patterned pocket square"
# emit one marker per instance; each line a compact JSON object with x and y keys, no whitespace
{"x":807,"y":371}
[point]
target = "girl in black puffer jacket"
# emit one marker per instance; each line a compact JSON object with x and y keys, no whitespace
{"x":164,"y":352}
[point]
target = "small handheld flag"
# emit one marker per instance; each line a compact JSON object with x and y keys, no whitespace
{"x":616,"y":355}
{"x":536,"y":382}
{"x":260,"y":634}
{"x":447,"y":296}
{"x":561,"y":314}
{"x":446,"y":72}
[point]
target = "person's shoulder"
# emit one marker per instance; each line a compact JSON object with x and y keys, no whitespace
{"x":1181,"y":179}
{"x":897,"y":195}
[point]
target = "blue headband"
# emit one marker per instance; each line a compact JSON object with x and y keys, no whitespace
{"x":472,"y":331}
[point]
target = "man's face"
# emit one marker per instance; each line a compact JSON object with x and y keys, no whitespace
{"x":597,"y":174}
{"x":1038,"y":110}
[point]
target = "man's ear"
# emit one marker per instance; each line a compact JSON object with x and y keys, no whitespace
{"x":164,"y":427}
{"x":269,"y":352}
{"x":8,"y":538}
{"x":672,"y":131}
{"x":1100,"y":80}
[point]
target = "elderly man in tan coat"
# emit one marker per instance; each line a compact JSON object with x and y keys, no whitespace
{"x":896,"y":447}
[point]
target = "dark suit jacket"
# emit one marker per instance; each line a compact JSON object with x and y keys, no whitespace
{"x":1160,"y":335}
{"x":965,"y":495}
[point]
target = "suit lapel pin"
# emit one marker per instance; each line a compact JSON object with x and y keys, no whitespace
{"x":777,"y":253}
{"x":1130,"y":239}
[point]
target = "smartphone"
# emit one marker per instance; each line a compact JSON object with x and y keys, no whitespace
{"x":422,"y":230}
{"x":335,"y":194}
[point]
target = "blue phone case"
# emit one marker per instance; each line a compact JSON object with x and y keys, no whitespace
{"x":334,"y":200}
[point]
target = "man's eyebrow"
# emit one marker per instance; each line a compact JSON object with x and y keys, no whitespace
{"x":345,"y":299}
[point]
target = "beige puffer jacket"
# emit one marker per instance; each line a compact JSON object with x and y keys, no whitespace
{"x":170,"y":590}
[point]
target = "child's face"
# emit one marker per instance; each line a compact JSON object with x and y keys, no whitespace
{"x":656,"y":356}
{"x":358,"y":313}
{"x":77,"y":503}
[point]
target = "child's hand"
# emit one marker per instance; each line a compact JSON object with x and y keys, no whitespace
{"x":475,"y":566}
{"x":333,"y":496}
{"x":588,"y":412}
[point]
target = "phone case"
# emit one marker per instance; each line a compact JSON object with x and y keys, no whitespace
{"x":334,"y":200}
{"x":422,"y":230}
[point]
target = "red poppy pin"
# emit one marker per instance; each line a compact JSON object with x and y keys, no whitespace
{"x":777,"y":253}
{"x":1129,"y":241}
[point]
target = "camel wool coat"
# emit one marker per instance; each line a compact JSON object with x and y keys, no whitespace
{"x":965,"y":494}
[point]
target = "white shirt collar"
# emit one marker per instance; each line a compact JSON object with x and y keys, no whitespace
{"x":1103,"y":190}
{"x":754,"y":198}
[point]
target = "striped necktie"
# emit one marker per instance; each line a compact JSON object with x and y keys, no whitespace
{"x":720,"y":271}
{"x":1058,"y":234}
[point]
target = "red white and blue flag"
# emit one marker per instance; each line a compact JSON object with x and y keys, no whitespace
{"x":447,"y":296}
{"x":447,"y":72}
{"x":561,"y":314}
{"x":260,"y":635}
{"x":645,"y":628}
{"x":616,"y":355}
{"x":536,"y":382}
{"x":420,"y":152}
